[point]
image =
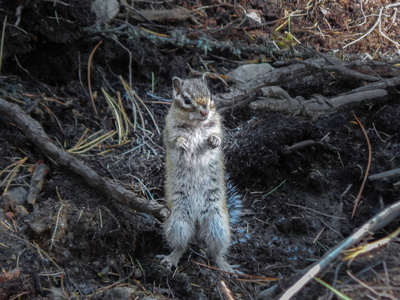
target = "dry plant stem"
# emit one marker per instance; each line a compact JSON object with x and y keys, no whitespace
{"x":379,"y":221}
{"x":367,"y":33}
{"x":54,"y":116}
{"x":368,"y":167}
{"x":113,"y":190}
{"x":117,"y":116}
{"x":88,"y":146}
{"x":56,"y":227}
{"x":89,"y":81}
{"x":354,"y":252}
{"x":13,"y":174}
{"x":378,"y":22}
{"x":365,"y":285}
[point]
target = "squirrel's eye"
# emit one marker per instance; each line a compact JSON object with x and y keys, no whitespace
{"x":187,"y":100}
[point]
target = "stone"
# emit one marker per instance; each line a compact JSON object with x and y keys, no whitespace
{"x":246,"y":73}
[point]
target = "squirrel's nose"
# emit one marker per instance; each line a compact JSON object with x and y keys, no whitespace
{"x":204,"y":113}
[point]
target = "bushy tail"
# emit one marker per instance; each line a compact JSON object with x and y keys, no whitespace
{"x":234,"y":202}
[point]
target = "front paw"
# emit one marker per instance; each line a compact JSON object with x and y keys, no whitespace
{"x":181,"y":143}
{"x":213,"y":141}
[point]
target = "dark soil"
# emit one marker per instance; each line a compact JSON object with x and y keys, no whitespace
{"x":75,"y":243}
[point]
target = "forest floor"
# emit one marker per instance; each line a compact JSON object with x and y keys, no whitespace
{"x":63,"y":237}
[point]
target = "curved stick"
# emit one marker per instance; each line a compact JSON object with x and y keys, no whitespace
{"x":36,"y":134}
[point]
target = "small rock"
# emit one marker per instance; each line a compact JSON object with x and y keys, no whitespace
{"x":246,"y":73}
{"x":19,"y":194}
{"x":122,"y":293}
{"x":7,"y":202}
{"x":105,"y":10}
{"x":38,"y":227}
{"x":137,"y":273}
{"x":199,"y":296}
{"x":56,"y":293}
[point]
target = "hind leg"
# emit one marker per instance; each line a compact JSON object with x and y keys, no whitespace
{"x":179,"y":230}
{"x":216,"y":233}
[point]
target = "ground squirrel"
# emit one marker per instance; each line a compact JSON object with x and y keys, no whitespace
{"x":195,"y":188}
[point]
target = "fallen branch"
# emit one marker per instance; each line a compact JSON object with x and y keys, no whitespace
{"x":276,"y":77}
{"x":277,"y":100}
{"x":379,"y":221}
{"x":384,"y":84}
{"x":36,"y":134}
{"x":265,"y":92}
{"x":162,"y":15}
{"x":385,"y":175}
{"x":305,"y":144}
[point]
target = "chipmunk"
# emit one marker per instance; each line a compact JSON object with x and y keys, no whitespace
{"x":195,"y":187}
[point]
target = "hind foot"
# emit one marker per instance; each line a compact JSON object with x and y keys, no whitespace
{"x":171,"y":260}
{"x":224,"y":266}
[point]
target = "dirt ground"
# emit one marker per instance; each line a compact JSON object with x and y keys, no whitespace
{"x":73,"y":242}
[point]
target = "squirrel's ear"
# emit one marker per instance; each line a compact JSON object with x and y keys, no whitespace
{"x":176,"y":84}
